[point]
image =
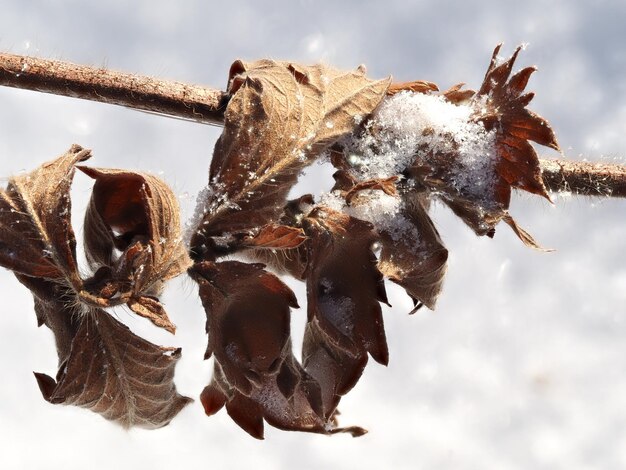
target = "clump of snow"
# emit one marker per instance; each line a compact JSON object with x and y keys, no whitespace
{"x":409,"y":127}
{"x":382,"y":210}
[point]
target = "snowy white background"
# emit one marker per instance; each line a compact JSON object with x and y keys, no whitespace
{"x":522,"y":366}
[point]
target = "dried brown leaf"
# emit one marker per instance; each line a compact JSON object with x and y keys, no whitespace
{"x":256,"y":375}
{"x":247,"y":320}
{"x":269,"y":403}
{"x":128,"y":207}
{"x":336,"y":371}
{"x":36,"y":235}
{"x":416,"y":86}
{"x":280,"y":117}
{"x":113,"y":372}
{"x":419,"y":265}
{"x":273,"y":236}
{"x":137,"y":214}
{"x":343,"y":297}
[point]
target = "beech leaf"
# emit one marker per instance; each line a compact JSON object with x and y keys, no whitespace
{"x":280,"y":117}
{"x":117,"y":374}
{"x":256,"y":375}
{"x":137,"y":214}
{"x":36,"y":235}
{"x":268,"y":402}
{"x":247,"y":320}
{"x":343,"y":297}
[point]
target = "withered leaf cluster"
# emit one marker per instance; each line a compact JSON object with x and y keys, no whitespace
{"x":133,"y":244}
{"x":280,"y":118}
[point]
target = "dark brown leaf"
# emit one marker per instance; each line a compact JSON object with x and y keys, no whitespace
{"x":280,"y":118}
{"x":117,"y":374}
{"x":256,"y":375}
{"x":267,"y":402}
{"x":137,"y":214}
{"x":417,"y":264}
{"x":336,"y":371}
{"x":247,"y":320}
{"x":343,"y":296}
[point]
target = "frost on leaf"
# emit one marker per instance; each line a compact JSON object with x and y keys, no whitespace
{"x":499,"y":107}
{"x":256,"y":375}
{"x":114,"y":373}
{"x":280,"y":117}
{"x":102,"y":365}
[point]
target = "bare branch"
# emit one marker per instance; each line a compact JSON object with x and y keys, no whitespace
{"x":584,"y":178}
{"x":206,"y":105}
{"x":192,"y":102}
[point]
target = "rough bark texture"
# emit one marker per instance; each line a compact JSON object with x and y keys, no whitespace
{"x":584,"y":178}
{"x":175,"y":99}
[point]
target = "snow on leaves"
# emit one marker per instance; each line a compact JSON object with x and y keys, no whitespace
{"x":396,"y":147}
{"x":280,"y":117}
{"x":102,"y":365}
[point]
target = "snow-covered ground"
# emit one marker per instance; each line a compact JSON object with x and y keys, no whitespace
{"x":522,"y":366}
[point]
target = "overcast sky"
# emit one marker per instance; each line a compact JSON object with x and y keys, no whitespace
{"x":523,"y":365}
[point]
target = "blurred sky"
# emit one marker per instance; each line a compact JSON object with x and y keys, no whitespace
{"x":523,"y":364}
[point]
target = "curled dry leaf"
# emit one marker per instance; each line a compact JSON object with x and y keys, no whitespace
{"x":268,"y":402}
{"x":114,"y":372}
{"x":36,"y":236}
{"x":419,"y":265}
{"x":343,"y":297}
{"x":247,"y":319}
{"x":280,"y":117}
{"x":138,"y":215}
{"x":500,"y":106}
{"x":256,"y":375}
{"x":102,"y":365}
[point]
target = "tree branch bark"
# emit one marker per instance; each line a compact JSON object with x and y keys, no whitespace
{"x":584,"y":178}
{"x":207,"y":105}
{"x":175,"y":99}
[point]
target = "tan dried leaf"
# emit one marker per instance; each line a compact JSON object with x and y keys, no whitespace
{"x":113,"y":372}
{"x":36,"y":235}
{"x":280,"y":118}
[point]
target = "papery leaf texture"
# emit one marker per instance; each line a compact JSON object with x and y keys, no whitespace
{"x":114,"y":373}
{"x":256,"y":375}
{"x":280,"y":117}
{"x":103,"y":366}
{"x":138,"y":215}
{"x":36,"y":236}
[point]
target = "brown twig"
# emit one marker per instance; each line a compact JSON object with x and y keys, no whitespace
{"x":584,"y":178}
{"x":206,"y":105}
{"x":192,"y":102}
